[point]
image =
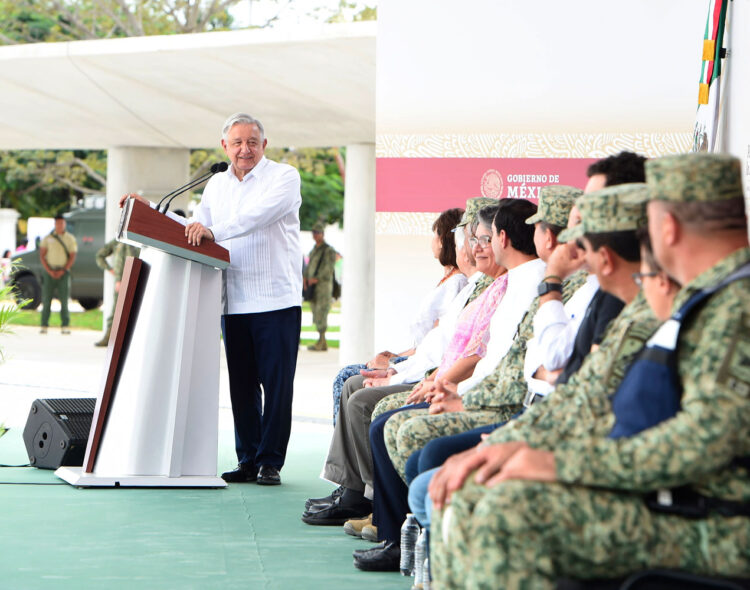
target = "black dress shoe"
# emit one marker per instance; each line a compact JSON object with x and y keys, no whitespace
{"x":268,"y":475}
{"x":245,"y":472}
{"x":310,"y":502}
{"x":381,"y":545}
{"x":385,"y":558}
{"x":337,"y":513}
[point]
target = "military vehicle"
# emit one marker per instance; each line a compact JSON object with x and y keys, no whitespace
{"x":86,"y":223}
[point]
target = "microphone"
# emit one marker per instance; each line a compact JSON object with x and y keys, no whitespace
{"x":215,"y":168}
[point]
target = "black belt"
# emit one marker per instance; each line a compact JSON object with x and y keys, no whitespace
{"x":685,"y":501}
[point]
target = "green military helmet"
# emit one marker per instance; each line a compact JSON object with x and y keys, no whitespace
{"x":615,"y":208}
{"x":472,"y":208}
{"x":694,"y":177}
{"x":555,"y":203}
{"x":319,"y":227}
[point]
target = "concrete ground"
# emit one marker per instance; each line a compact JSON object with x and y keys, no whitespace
{"x":56,"y":365}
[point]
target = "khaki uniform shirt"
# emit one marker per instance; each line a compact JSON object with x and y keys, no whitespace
{"x":56,"y":257}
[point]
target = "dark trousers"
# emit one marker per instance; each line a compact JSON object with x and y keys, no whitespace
{"x":261,"y":349}
{"x":437,"y":451}
{"x":390,"y":494}
{"x":51,"y":286}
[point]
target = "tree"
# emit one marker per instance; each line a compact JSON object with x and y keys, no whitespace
{"x":32,"y":21}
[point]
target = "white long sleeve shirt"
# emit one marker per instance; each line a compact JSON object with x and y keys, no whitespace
{"x":556,"y":325}
{"x":257,"y":220}
{"x":430,"y":351}
{"x":555,"y":330}
{"x":523,"y":281}
{"x":434,"y":305}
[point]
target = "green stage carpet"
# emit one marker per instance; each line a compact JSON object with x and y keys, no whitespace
{"x":244,"y":536}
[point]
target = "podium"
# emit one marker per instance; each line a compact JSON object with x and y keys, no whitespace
{"x":156,"y":417}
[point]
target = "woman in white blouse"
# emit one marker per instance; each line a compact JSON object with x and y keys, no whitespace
{"x":430,"y":307}
{"x":444,"y":249}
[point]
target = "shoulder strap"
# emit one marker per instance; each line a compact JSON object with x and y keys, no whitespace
{"x":67,"y":254}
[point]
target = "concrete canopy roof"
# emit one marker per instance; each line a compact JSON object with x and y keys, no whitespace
{"x":309,"y":87}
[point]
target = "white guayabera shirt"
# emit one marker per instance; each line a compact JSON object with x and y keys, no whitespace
{"x":257,"y":220}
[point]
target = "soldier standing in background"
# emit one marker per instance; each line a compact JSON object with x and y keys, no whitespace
{"x":320,"y":274}
{"x":120,"y":252}
{"x":57,"y":251}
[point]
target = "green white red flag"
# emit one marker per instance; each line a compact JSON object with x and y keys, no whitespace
{"x":709,"y":112}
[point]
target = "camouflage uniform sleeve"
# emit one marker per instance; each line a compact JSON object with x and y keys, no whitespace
{"x":711,"y":427}
{"x":105,"y":252}
{"x":582,"y":405}
{"x":326,"y":269}
{"x":312,"y":263}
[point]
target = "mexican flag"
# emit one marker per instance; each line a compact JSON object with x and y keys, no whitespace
{"x":709,"y":94}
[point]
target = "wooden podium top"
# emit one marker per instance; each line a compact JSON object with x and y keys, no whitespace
{"x":141,"y":225}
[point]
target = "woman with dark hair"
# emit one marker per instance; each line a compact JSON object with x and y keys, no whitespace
{"x":444,"y":249}
{"x":430,"y":308}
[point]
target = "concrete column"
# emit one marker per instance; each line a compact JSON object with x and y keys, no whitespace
{"x":152,"y":172}
{"x":8,"y":220}
{"x":358,"y":275}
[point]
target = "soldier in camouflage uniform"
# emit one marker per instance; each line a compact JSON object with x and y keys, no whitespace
{"x":582,"y":503}
{"x":409,"y":430}
{"x":119,"y":252}
{"x":320,"y":274}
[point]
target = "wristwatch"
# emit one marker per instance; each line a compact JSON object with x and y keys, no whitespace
{"x":545,"y":288}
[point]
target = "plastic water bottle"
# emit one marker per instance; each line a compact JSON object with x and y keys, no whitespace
{"x":426,"y":574}
{"x":409,"y":534}
{"x":420,"y":551}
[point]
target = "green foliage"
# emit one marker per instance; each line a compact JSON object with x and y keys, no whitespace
{"x":33,"y":21}
{"x":9,"y":311}
{"x":353,"y":11}
{"x":45,"y":182}
{"x":322,"y":183}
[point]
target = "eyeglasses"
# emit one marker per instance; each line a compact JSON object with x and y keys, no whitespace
{"x":639,"y":276}
{"x":482,"y":241}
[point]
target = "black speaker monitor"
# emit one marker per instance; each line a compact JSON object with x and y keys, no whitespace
{"x":57,"y":431}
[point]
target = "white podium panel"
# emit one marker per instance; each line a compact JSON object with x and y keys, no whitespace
{"x":162,"y":424}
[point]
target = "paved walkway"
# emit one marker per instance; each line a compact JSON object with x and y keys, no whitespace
{"x":55,"y":365}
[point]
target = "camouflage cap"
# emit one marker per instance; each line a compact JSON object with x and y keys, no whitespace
{"x":615,"y":208}
{"x":555,"y":203}
{"x":319,"y":227}
{"x":472,"y":208}
{"x":694,"y":177}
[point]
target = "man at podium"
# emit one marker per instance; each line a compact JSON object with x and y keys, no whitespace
{"x":252,"y":210}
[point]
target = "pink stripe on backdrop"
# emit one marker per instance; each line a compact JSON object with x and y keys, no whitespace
{"x":437,"y":184}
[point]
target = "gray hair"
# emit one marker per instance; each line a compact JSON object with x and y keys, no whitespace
{"x":486,"y":215}
{"x":243,"y":119}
